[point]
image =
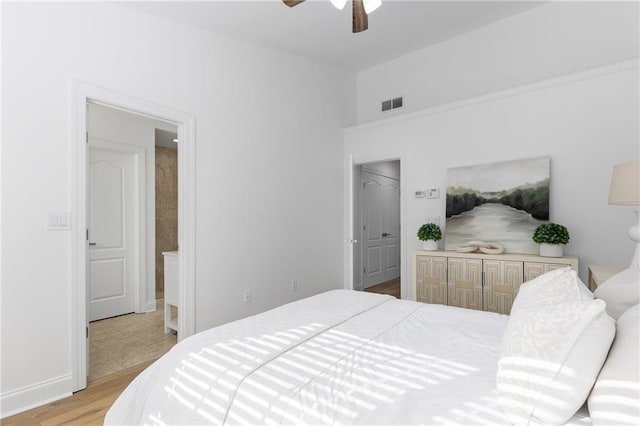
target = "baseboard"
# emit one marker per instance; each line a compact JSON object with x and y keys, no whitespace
{"x":32,"y":396}
{"x":150,"y":306}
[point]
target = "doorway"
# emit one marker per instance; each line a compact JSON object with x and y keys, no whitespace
{"x":132,"y":218}
{"x":83,"y":95}
{"x":377,"y":256}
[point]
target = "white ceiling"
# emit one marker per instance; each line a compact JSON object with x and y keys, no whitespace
{"x":317,"y":30}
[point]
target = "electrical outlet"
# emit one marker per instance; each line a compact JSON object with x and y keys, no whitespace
{"x":247,"y":296}
{"x":294,"y":285}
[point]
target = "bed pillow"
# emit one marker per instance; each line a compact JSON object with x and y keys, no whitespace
{"x":558,"y":284}
{"x":615,"y":398}
{"x":553,"y":348}
{"x":620,"y":292}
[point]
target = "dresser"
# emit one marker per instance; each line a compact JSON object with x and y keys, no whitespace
{"x":476,"y":280}
{"x":171,"y":292}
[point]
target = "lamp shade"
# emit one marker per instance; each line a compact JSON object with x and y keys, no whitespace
{"x":625,"y":184}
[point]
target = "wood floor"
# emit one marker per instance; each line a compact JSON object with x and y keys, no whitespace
{"x":391,"y":287}
{"x":87,"y":407}
{"x":120,"y":348}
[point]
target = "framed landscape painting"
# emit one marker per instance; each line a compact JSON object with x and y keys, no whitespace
{"x":498,"y":202}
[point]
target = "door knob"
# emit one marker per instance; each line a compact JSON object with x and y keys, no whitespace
{"x":385,"y":234}
{"x":92,"y":244}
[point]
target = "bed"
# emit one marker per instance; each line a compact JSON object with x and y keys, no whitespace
{"x":340,"y":357}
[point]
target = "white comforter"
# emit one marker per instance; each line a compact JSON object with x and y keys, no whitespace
{"x":341,"y":357}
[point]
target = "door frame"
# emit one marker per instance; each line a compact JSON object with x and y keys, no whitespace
{"x":81,"y":94}
{"x":352,"y":161}
{"x":140,"y":216}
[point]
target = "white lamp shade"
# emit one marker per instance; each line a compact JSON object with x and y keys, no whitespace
{"x":338,"y":4}
{"x":625,"y":184}
{"x":371,"y":5}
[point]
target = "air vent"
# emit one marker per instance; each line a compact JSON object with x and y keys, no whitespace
{"x":392,"y":104}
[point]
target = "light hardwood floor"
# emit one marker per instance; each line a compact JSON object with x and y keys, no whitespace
{"x":120,"y":348}
{"x":87,"y":407}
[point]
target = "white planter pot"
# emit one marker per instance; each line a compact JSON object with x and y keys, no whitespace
{"x":430,"y":245}
{"x":551,"y":250}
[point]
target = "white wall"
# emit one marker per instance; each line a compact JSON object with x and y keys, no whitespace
{"x":586,"y":123}
{"x":551,"y":40}
{"x":132,"y":129}
{"x":268,"y":169}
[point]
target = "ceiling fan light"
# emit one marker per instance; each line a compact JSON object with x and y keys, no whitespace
{"x":370,"y":5}
{"x":339,"y":4}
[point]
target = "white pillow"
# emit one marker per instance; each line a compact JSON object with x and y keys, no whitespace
{"x":615,"y":398}
{"x":621,"y":292}
{"x":558,"y":284}
{"x":553,"y":347}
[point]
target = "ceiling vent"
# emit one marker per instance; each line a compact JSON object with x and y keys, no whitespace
{"x":390,"y":104}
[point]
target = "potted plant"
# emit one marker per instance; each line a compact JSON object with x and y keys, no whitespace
{"x":551,"y":238}
{"x":429,"y":234}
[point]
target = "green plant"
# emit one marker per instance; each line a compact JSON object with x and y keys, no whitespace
{"x":429,"y":231}
{"x":550,"y":233}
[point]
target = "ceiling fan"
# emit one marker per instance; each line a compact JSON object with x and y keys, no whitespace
{"x":361,"y":8}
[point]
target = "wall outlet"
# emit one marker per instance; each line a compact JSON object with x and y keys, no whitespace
{"x":247,"y":296}
{"x":294,"y":285}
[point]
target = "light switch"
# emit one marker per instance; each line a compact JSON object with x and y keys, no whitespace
{"x":58,"y":221}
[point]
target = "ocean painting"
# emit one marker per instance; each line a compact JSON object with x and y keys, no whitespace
{"x":498,"y":202}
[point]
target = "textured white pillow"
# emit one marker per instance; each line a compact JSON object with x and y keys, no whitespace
{"x":554,"y":345}
{"x":558,"y":284}
{"x":621,"y":292}
{"x":615,"y":398}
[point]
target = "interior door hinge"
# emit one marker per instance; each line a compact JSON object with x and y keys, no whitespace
{"x":87,"y":234}
{"x":87,"y":329}
{"x":87,"y":137}
{"x":364,"y":270}
{"x":364,"y":227}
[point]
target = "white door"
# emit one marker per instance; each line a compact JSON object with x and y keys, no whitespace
{"x":380,"y":228}
{"x":111,"y":220}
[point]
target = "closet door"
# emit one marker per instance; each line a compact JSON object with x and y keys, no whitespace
{"x":502,"y":279}
{"x":465,"y":283}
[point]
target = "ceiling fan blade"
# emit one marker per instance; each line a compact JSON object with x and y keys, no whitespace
{"x":360,"y":20}
{"x":292,"y":3}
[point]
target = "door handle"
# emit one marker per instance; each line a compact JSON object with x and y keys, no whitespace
{"x":92,"y":244}
{"x":385,"y":234}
